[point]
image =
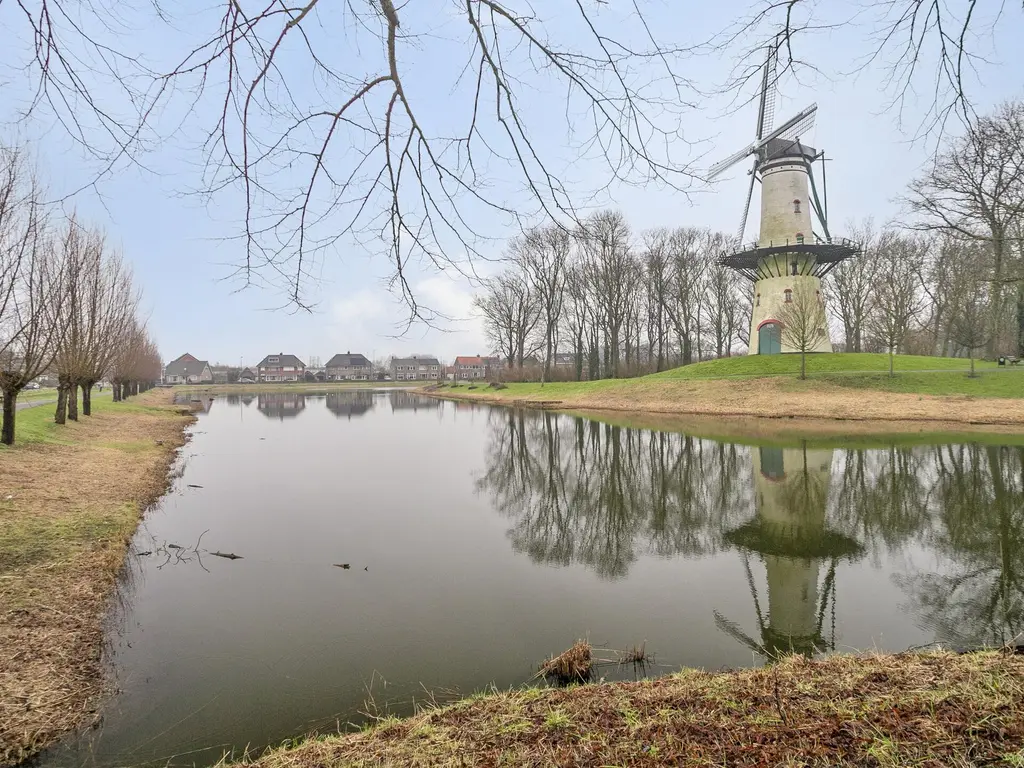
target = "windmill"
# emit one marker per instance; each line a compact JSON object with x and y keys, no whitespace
{"x":788,"y":251}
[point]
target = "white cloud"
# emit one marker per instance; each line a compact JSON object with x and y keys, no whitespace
{"x":371,"y":321}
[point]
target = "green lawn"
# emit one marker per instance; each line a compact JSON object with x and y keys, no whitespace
{"x":914,"y":373}
{"x":838,"y":362}
{"x":35,"y":425}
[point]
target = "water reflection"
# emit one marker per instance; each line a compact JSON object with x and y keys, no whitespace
{"x":281,"y":405}
{"x":402,"y":400}
{"x":584,"y":492}
{"x":349,"y":404}
{"x":795,"y":541}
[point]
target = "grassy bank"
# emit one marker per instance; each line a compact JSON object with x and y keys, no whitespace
{"x":70,"y":499}
{"x":930,"y":709}
{"x":847,"y":387}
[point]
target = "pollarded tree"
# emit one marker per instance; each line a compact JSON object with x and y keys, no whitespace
{"x":804,"y":322}
{"x":34,"y":325}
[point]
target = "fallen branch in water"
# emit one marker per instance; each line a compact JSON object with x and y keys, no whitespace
{"x":227,"y":555}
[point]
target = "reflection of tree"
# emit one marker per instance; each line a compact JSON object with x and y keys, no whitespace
{"x":280,"y":405}
{"x":580,"y":491}
{"x":349,"y":404}
{"x":583,"y":492}
{"x":979,"y":496}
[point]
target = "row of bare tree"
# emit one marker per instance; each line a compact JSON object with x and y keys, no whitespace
{"x":619,"y":305}
{"x":68,"y":306}
{"x":949,"y":280}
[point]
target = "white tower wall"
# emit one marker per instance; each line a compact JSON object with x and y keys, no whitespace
{"x":785,"y":218}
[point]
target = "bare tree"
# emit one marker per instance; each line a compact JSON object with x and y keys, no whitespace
{"x":850,"y":287}
{"x":510,"y":314}
{"x":605,"y":242}
{"x":975,"y":189}
{"x":897,"y":301}
{"x":970,"y":326}
{"x":34,"y":325}
{"x":543,"y":255}
{"x":804,"y":322}
{"x":327,"y":147}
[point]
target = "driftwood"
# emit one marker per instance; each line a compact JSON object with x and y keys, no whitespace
{"x":227,"y":555}
{"x":194,"y":486}
{"x":346,"y":566}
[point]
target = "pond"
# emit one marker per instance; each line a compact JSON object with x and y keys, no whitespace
{"x":479,"y":540}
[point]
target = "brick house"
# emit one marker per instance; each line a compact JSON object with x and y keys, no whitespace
{"x":281,"y":367}
{"x":349,"y":367}
{"x":415,"y":368}
{"x":475,"y":367}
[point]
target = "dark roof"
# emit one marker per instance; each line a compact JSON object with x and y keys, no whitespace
{"x":283,"y":359}
{"x":348,"y":360}
{"x":415,"y":361}
{"x":186,"y":358}
{"x":177,"y":367}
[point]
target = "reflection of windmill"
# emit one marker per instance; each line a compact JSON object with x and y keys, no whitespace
{"x":790,"y":534}
{"x":789,"y":253}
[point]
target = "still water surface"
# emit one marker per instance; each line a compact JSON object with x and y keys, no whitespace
{"x":480,"y":540}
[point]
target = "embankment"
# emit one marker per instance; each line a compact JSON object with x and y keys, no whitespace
{"x":851,"y":402}
{"x":70,"y":500}
{"x":936,"y":709}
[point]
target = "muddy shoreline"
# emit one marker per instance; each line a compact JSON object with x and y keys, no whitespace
{"x":70,"y":509}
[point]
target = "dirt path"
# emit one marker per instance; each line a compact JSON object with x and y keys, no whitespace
{"x":67,"y":513}
{"x":775,"y":398}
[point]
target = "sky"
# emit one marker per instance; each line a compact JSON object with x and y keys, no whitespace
{"x":185,"y":247}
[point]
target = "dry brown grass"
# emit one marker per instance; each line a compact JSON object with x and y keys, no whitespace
{"x":573,"y":665}
{"x":934,"y":709}
{"x":63,"y":535}
{"x":774,"y":398}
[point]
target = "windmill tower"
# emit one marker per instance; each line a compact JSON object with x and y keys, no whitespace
{"x":789,"y":253}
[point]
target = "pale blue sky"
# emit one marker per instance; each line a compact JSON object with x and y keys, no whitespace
{"x":181,"y":249}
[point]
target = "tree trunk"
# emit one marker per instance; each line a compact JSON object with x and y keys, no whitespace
{"x":87,"y":398}
{"x":60,"y":415}
{"x":972,"y":364}
{"x":1020,"y":319}
{"x":7,"y":432}
{"x":73,"y":401}
{"x":803,"y":364}
{"x":891,"y":373}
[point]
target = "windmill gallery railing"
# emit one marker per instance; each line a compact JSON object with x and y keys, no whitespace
{"x":824,"y":255}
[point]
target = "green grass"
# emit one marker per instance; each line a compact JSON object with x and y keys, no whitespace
{"x":35,"y":425}
{"x":838,"y":362}
{"x":913,"y":373}
{"x":990,"y":383}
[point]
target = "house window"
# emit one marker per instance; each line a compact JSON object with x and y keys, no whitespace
{"x":273,"y":359}
{"x":796,"y":206}
{"x":789,"y":296}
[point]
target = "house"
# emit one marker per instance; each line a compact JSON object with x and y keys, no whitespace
{"x":415,"y":368}
{"x":246,"y":376}
{"x":188,"y":370}
{"x":476,"y":367}
{"x":281,"y":367}
{"x":221,"y":374}
{"x":349,"y":367}
{"x":565,"y":359}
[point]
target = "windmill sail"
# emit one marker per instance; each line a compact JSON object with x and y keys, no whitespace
{"x":766,"y":111}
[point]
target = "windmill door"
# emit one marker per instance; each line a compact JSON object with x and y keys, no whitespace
{"x":769,"y":339}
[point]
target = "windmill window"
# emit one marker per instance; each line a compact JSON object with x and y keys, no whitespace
{"x":759,"y":299}
{"x":789,"y":296}
{"x":796,"y":206}
{"x":799,"y":238}
{"x":794,"y":265}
